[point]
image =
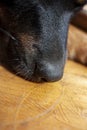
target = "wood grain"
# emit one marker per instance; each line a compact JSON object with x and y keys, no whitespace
{"x":50,"y":106}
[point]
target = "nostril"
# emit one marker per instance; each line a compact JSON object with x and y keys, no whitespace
{"x":51,"y":72}
{"x":52,"y":78}
{"x":47,"y":73}
{"x":43,"y":79}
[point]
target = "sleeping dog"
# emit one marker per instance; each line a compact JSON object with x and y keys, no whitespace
{"x":33,"y":36}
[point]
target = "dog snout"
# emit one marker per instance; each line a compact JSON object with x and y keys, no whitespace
{"x":47,"y":72}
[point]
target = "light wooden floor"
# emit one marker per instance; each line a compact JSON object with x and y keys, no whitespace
{"x":50,"y":106}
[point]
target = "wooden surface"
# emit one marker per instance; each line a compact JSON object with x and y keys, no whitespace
{"x":50,"y":106}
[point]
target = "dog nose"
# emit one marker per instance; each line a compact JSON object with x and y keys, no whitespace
{"x":48,"y":72}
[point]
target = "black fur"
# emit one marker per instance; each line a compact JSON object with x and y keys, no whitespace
{"x":34,"y":36}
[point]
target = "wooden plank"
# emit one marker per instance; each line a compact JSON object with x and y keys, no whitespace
{"x":50,"y":106}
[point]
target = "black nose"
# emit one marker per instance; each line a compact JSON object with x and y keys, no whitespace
{"x":48,"y":72}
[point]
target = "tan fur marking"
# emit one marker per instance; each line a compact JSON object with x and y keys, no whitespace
{"x":27,"y":41}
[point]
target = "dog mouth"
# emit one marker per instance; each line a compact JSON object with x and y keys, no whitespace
{"x":17,"y":62}
{"x":14,"y":59}
{"x":19,"y":66}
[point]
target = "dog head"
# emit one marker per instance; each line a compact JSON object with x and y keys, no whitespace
{"x":35,"y":34}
